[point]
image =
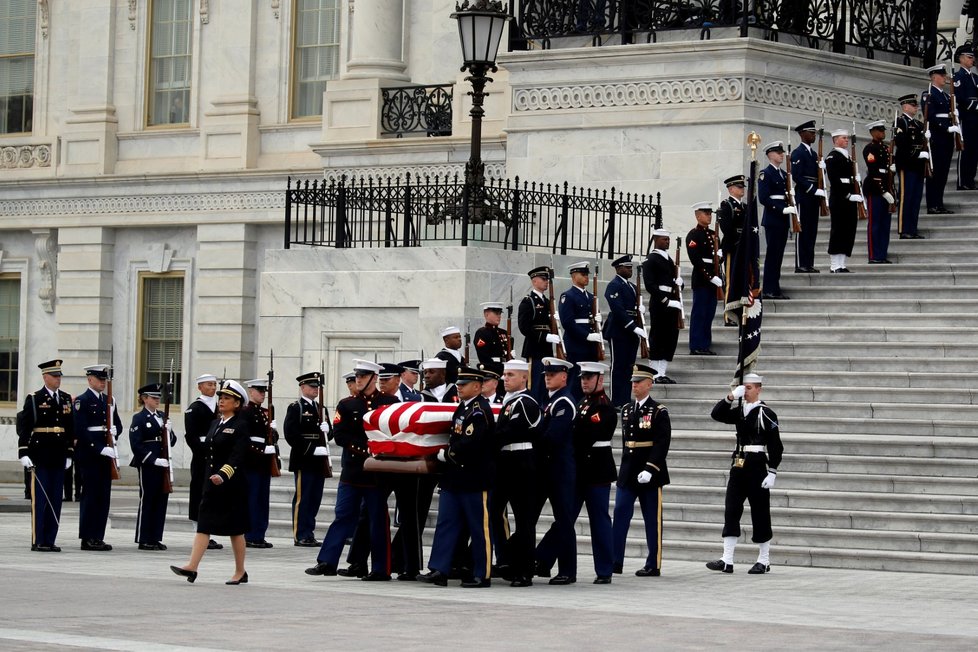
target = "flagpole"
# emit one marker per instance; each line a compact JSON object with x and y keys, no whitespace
{"x":753,"y":139}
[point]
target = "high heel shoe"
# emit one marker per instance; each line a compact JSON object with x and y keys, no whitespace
{"x":242,"y":580}
{"x":189,"y":574}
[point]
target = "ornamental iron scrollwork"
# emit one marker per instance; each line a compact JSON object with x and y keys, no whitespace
{"x":417,"y":110}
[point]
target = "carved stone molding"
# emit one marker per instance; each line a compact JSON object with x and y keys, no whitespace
{"x":45,"y":16}
{"x":132,"y":14}
{"x":141,"y":204}
{"x":205,"y":12}
{"x":686,"y":91}
{"x":158,"y":257}
{"x":276,"y":6}
{"x":493,"y":170}
{"x":811,"y":100}
{"x":46,"y":245}
{"x":25,"y":156}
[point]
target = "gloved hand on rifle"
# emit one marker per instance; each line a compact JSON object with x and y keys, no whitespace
{"x":108,"y":451}
{"x":954,"y":129}
{"x":679,"y":282}
{"x":855,"y":198}
{"x":889,"y":198}
{"x":26,"y":462}
{"x":717,"y":281}
{"x":819,"y":192}
{"x":768,"y":482}
{"x":269,"y":450}
{"x":161,"y":462}
{"x":598,"y":318}
{"x":67,"y":463}
{"x":553,"y":338}
{"x":719,"y":253}
{"x":273,"y":425}
{"x":638,"y":330}
{"x":892,"y":167}
{"x":442,"y":457}
{"x":859,"y":178}
{"x":644,"y":477}
{"x":923,"y":155}
{"x":594,"y":337}
{"x":675,"y":304}
{"x":789,"y":210}
{"x":324,"y":427}
{"x":320,"y":451}
{"x":115,"y":431}
{"x":927,"y":134}
{"x":821,"y":164}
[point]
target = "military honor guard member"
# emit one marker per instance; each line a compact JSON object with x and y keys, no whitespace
{"x":94,"y":457}
{"x":258,"y":465}
{"x":357,"y":486}
{"x":771,"y":188}
{"x":490,"y":386}
{"x":808,"y":197}
{"x":646,"y":434}
{"x":878,"y":196}
{"x":936,"y":104}
{"x":197,"y":419}
{"x":306,"y":435}
{"x":451,"y":353}
{"x":491,"y":341}
{"x":664,"y":286}
{"x":45,"y":443}
{"x":621,"y":329}
{"x":467,"y":471}
{"x":842,"y":202}
{"x":730,"y":221}
{"x":436,"y":389}
{"x":533,"y":321}
{"x":516,"y":481}
{"x":911,"y":159}
{"x":753,"y":471}
{"x":557,"y":474}
{"x":409,"y":379}
{"x":224,"y":500}
{"x":146,"y":440}
{"x":966,"y":101}
{"x":574,"y":310}
{"x":350,"y":379}
{"x":703,"y":253}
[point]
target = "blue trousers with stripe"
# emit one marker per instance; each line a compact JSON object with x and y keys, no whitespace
{"x":305,"y":503}
{"x":651,"y":503}
{"x":259,"y":490}
{"x":455,"y":510}
{"x":46,"y":487}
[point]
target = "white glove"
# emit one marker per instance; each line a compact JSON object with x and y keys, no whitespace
{"x":638,"y":330}
{"x":441,"y":455}
{"x":26,"y":462}
{"x":927,"y":134}
{"x":273,"y":425}
{"x":954,"y":129}
{"x":923,"y":155}
{"x":108,"y":451}
{"x":738,"y":391}
{"x":320,"y":451}
{"x":855,"y":198}
{"x":594,"y":337}
{"x":768,"y":482}
{"x":889,"y":198}
{"x":598,"y":318}
{"x":115,"y":431}
{"x":324,"y":427}
{"x":892,"y":167}
{"x":789,"y":210}
{"x":719,"y":253}
{"x":675,"y":304}
{"x":162,"y":461}
{"x":644,"y":477}
{"x":679,"y":281}
{"x":269,"y":450}
{"x":821,"y":164}
{"x":553,"y":338}
{"x":717,"y":281}
{"x":859,"y":178}
{"x":67,"y":463}
{"x":819,"y":192}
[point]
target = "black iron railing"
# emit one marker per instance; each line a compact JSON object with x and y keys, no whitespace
{"x":907,"y":28}
{"x":517,"y":215}
{"x":420,"y":110}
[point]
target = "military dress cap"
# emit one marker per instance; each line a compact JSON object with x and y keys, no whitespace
{"x":434,"y":363}
{"x":261,"y":384}
{"x":879,"y":124}
{"x":642,"y":370}
{"x":365,"y":367}
{"x":579,"y":267}
{"x":349,"y":376}
{"x":939,"y":69}
{"x":488,"y":374}
{"x":206,"y":378}
{"x":774,"y":146}
{"x":593,"y":368}
{"x":661,"y":233}
{"x":703,"y":206}
{"x":552,"y":365}
{"x":449,"y":330}
{"x":310,"y":378}
{"x":735,"y":180}
{"x":491,"y":305}
{"x":909,"y":98}
{"x":469,"y":375}
{"x":753,"y":378}
{"x":840,"y":132}
{"x":966,"y":49}
{"x":624,"y":261}
{"x":234,"y":389}
{"x":52,"y":367}
{"x":516,"y":364}
{"x":100,"y":371}
{"x":806,"y":126}
{"x":390,"y":370}
{"x":410,"y":365}
{"x":154,"y":390}
{"x":542,"y":272}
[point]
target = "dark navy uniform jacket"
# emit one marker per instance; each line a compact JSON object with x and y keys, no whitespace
{"x":966,"y":94}
{"x":257,"y":419}
{"x":910,"y":142}
{"x":197,"y":420}
{"x":518,"y":421}
{"x":838,"y":169}
{"x":406,"y":394}
{"x":453,"y":360}
{"x":575,"y":313}
{"x":533,"y":320}
{"x":45,"y":428}
{"x":556,"y":436}
{"x":646,"y":434}
{"x":804,"y":172}
{"x":877,"y":158}
{"x":490,"y":347}
{"x":771,"y":183}
{"x":730,"y":219}
{"x":146,"y":438}
{"x":759,"y":427}
{"x":469,"y":466}
{"x":938,"y":104}
{"x":302,"y":431}
{"x":349,"y":433}
{"x":450,"y":395}
{"x":659,"y":272}
{"x":90,"y":417}
{"x":593,"y":429}
{"x":621,"y":297}
{"x":700,"y":248}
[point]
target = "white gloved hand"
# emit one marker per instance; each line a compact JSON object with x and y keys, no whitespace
{"x":644,"y":477}
{"x":269,"y":450}
{"x":441,"y":455}
{"x":738,"y":391}
{"x":855,"y":198}
{"x":324,"y":427}
{"x":923,"y":155}
{"x":892,"y":167}
{"x":162,"y":461}
{"x":67,"y":463}
{"x":954,"y":129}
{"x":594,"y":337}
{"x":108,"y":451}
{"x":768,"y":482}
{"x":889,"y":198}
{"x":821,"y":164}
{"x":115,"y":431}
{"x":819,"y":192}
{"x":320,"y":451}
{"x":789,"y":210}
{"x":679,"y":281}
{"x":638,"y":330}
{"x":675,"y":304}
{"x":927,"y":134}
{"x":598,"y":318}
{"x":553,"y":338}
{"x":717,"y":281}
{"x":859,"y":178}
{"x":274,"y":425}
{"x":26,"y":462}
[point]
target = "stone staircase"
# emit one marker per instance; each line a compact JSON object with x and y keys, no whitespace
{"x":874,"y":376}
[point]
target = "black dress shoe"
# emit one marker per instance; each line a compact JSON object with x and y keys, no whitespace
{"x":46,"y":548}
{"x":258,"y":544}
{"x":562,"y":580}
{"x":602,"y":579}
{"x":541,"y":570}
{"x":406,"y":577}
{"x":159,"y":546}
{"x":477,"y":583}
{"x":437,"y":578}
{"x":521,"y":581}
{"x":759,"y":569}
{"x":648,"y":572}
{"x":702,"y":352}
{"x":663,"y":380}
{"x":322,"y":569}
{"x":617,"y":569}
{"x":779,"y":296}
{"x":730,"y":324}
{"x":801,"y":270}
{"x":214,"y":545}
{"x":813,"y":270}
{"x":149,"y":546}
{"x":92,"y":544}
{"x":182,"y":572}
{"x":353,"y":570}
{"x":944,"y":211}
{"x":503,"y":571}
{"x":242,"y":580}
{"x":376,"y":577}
{"x":719,"y":565}
{"x":307,"y":543}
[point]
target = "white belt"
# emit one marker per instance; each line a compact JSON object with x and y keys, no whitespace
{"x":844,"y":180}
{"x":96,"y":428}
{"x":524,"y":446}
{"x":496,"y":359}
{"x":775,"y":196}
{"x":754,"y":449}
{"x":665,"y":288}
{"x":942,"y":115}
{"x":258,"y":440}
{"x":601,"y":444}
{"x":203,"y":439}
{"x":582,"y":321}
{"x":883,"y":170}
{"x":708,"y":260}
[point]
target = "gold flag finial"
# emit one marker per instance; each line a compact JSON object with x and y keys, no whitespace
{"x":753,"y":139}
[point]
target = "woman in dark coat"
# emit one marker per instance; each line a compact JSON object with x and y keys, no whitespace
{"x":224,"y":502}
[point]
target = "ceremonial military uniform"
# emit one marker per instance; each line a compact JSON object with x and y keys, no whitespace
{"x":843,"y":212}
{"x":303,"y":433}
{"x":533,"y":320}
{"x":45,"y":435}
{"x":258,"y":468}
{"x":197,"y":420}
{"x":703,"y":255}
{"x":936,"y":103}
{"x":453,"y":360}
{"x":146,"y":440}
{"x":804,"y":176}
{"x":444,"y":393}
{"x":491,"y":346}
{"x":619,"y":330}
{"x":730,"y":222}
{"x":771,"y":188}
{"x":224,"y":507}
{"x":966,"y":102}
{"x":660,"y":277}
{"x":911,"y":148}
{"x":877,"y":184}
{"x":575,"y":319}
{"x":407,"y":395}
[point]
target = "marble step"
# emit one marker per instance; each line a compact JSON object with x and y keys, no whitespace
{"x":686,"y":416}
{"x":777,"y":376}
{"x":909,"y":289}
{"x":910,"y":446}
{"x":775,"y":394}
{"x":949,"y":362}
{"x":847,"y":319}
{"x":837,"y":411}
{"x":874,"y":307}
{"x":883,"y":351}
{"x":776,"y":332}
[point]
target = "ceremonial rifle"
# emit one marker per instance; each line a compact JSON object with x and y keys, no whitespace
{"x":823,"y":206}
{"x":677,"y":292}
{"x":165,"y":439}
{"x":958,"y":140}
{"x":109,"y":407}
{"x":327,"y":464}
{"x":468,"y":340}
{"x":509,"y":326}
{"x":856,"y":187}
{"x":890,"y":181}
{"x":559,"y":350}
{"x":789,"y":192}
{"x":643,"y":343}
{"x":269,"y":433}
{"x":928,"y":169}
{"x":594,"y":318}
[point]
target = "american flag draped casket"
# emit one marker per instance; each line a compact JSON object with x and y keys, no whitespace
{"x":410,"y":429}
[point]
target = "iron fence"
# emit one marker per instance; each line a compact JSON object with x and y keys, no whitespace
{"x":509,"y":214}
{"x":417,"y":110}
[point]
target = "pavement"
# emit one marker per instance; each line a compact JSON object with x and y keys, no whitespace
{"x":129,"y":600}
